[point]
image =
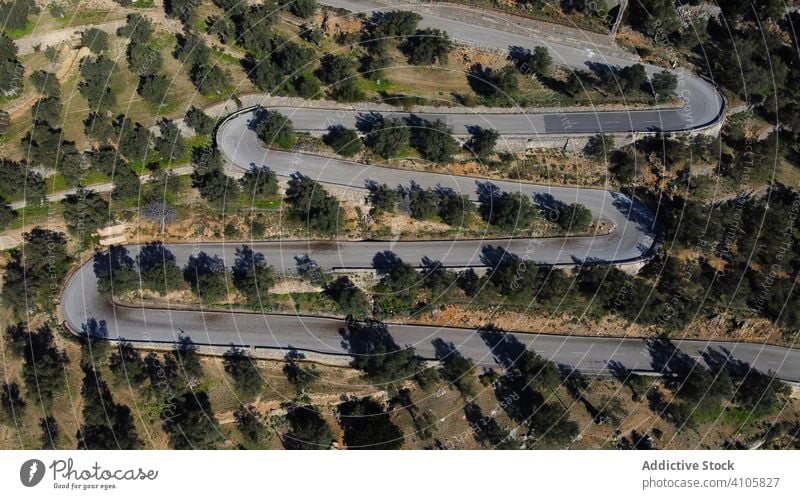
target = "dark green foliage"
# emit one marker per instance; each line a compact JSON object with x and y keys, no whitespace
{"x":95,"y":40}
{"x":299,"y":374}
{"x":95,"y":87}
{"x":7,"y":214}
{"x":208,"y":177}
{"x":300,"y":8}
{"x":50,"y":433}
{"x":482,"y":141}
{"x":511,"y":275}
{"x":339,"y":71}
{"x":259,"y":183}
{"x":498,"y":86}
{"x":275,"y":129}
{"x":190,"y":422}
{"x":486,"y":430}
{"x":251,"y":275}
{"x":115,"y":271}
{"x":158,"y":268}
{"x":183,"y":10}
{"x":14,"y":13}
{"x":574,"y":218}
{"x":423,"y":203}
{"x":199,"y":121}
{"x":210,"y":80}
{"x":599,"y":147}
{"x":43,"y":363}
{"x":45,"y":83}
{"x":242,"y":368}
{"x":311,"y":204}
{"x":509,"y":210}
{"x":632,"y":77}
{"x":308,"y":430}
{"x":348,"y":297}
{"x":85,"y":212}
{"x":375,"y":352}
{"x":454,"y":209}
{"x":367,"y":426}
{"x":106,"y":424}
{"x":20,"y":182}
{"x":207,"y":277}
{"x":656,"y":18}
{"x":154,"y":88}
{"x":433,"y":140}
{"x":427,"y":46}
{"x":537,"y":62}
{"x":100,"y":127}
{"x":170,"y":143}
{"x":254,"y":27}
{"x":11,"y":70}
{"x":664,"y":84}
{"x":248,"y":422}
{"x":455,"y":368}
{"x":47,"y":111}
{"x":134,"y":139}
{"x":12,"y":405}
{"x":138,"y":28}
{"x":383,"y":198}
{"x":143,"y":60}
{"x":35,"y":271}
{"x":126,"y":184}
{"x":191,"y":50}
{"x":127,"y":365}
{"x":396,"y":275}
{"x":343,"y":141}
{"x":45,"y":146}
{"x":761,"y":393}
{"x":387,"y":138}
{"x":395,"y":24}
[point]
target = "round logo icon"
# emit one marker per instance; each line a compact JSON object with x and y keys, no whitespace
{"x":31,"y":472}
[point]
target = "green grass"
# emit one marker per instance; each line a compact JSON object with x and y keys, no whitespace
{"x":20,"y":32}
{"x":143,"y":4}
{"x":31,"y":215}
{"x":84,"y":17}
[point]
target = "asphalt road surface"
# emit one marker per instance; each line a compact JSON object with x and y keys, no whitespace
{"x":140,"y":325}
{"x":631,"y":239}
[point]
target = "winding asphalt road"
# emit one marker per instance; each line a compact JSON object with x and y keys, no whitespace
{"x":630,"y":241}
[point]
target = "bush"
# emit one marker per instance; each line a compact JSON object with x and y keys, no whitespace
{"x":344,"y":141}
{"x":275,"y":129}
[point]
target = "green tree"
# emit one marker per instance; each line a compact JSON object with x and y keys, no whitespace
{"x":45,"y":83}
{"x":310,"y":203}
{"x":96,"y":85}
{"x":154,"y":88}
{"x":574,"y":218}
{"x":275,"y":129}
{"x":482,"y":141}
{"x":508,"y":210}
{"x":207,"y":277}
{"x":170,"y":143}
{"x":367,"y":426}
{"x":343,"y":141}
{"x":259,"y":183}
{"x":387,"y":138}
{"x":47,"y":111}
{"x":348,"y":297}
{"x":251,"y":275}
{"x":190,"y":422}
{"x":248,"y":422}
{"x":300,"y":8}
{"x":454,"y":209}
{"x":43,"y":363}
{"x":434,"y":141}
{"x":199,"y":121}
{"x":423,"y":203}
{"x":85,"y":212}
{"x":183,"y":10}
{"x":106,"y":424}
{"x":210,"y":80}
{"x":115,"y":272}
{"x":308,"y":431}
{"x":158,"y":268}
{"x":247,"y":381}
{"x":664,"y":84}
{"x":428,"y":46}
{"x":95,"y":40}
{"x":383,"y":198}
